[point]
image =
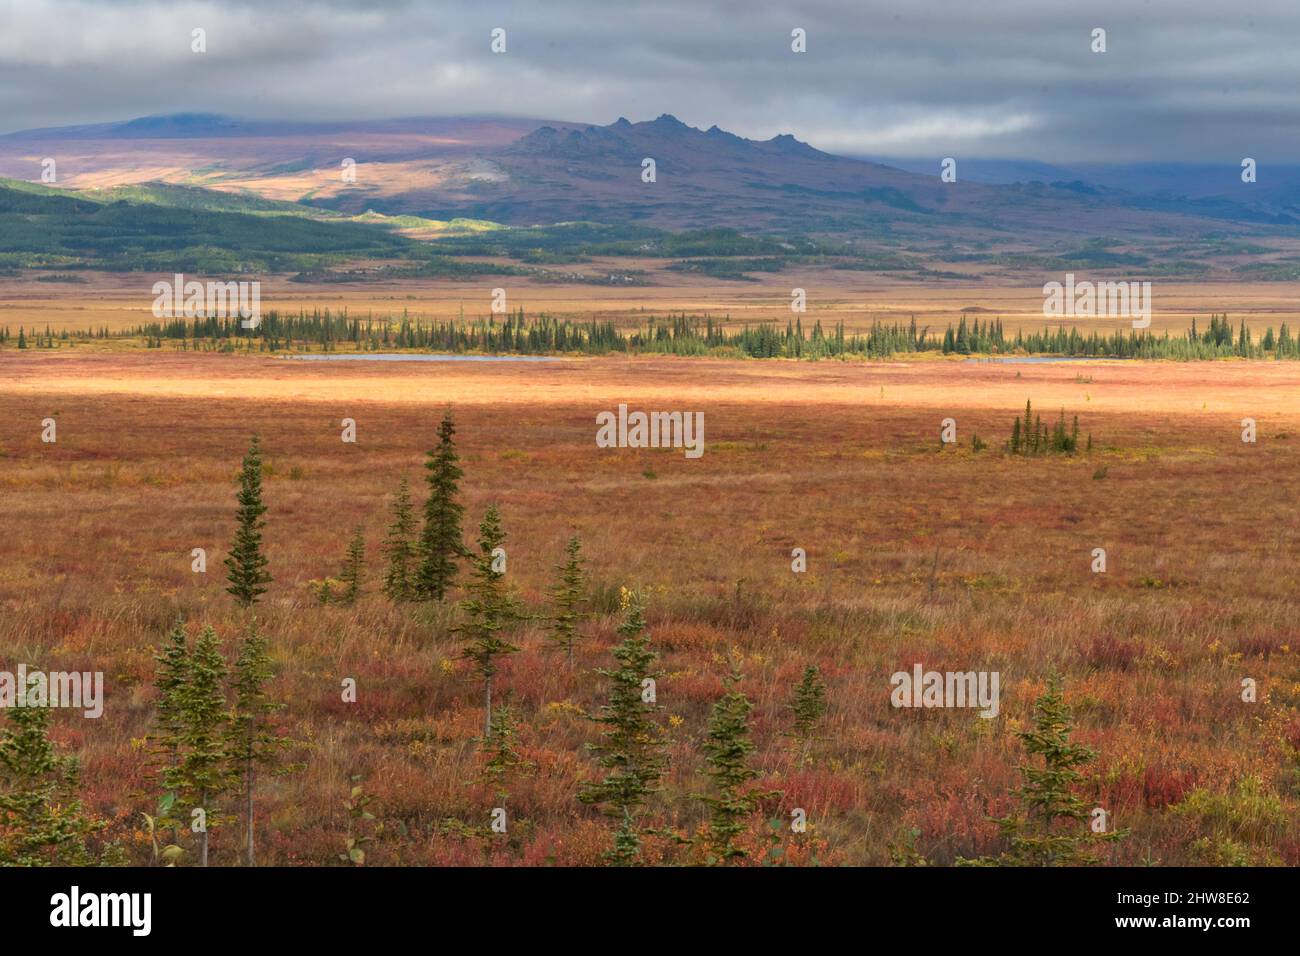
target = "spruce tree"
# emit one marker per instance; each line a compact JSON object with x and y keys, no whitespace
{"x":41,"y":821}
{"x":246,"y":565}
{"x":1054,"y":831}
{"x":727,"y":749}
{"x":354,"y":568}
{"x":503,"y":759}
{"x":633,"y":752}
{"x":399,"y":547}
{"x":568,"y":595}
{"x":440,"y":540}
{"x":489,"y":611}
{"x":170,"y":671}
{"x":203,"y":773}
{"x":808,"y":705}
{"x":251,"y":741}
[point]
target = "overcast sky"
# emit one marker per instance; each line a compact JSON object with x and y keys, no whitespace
{"x":1197,"y":80}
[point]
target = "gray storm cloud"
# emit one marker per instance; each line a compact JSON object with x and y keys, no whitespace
{"x":1185,"y":81}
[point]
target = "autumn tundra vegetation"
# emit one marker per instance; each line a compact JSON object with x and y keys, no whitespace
{"x":517,"y":655}
{"x":215,"y":731}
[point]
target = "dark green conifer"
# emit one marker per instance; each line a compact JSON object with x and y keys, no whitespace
{"x":632,"y":750}
{"x":489,"y":611}
{"x":172,"y":666}
{"x":440,"y":540}
{"x":808,"y":704}
{"x":400,"y":548}
{"x":252,"y":743}
{"x":727,"y":749}
{"x":202,"y":774}
{"x":41,"y":820}
{"x":568,"y":596}
{"x":354,"y":568}
{"x":246,"y":565}
{"x":1054,"y":827}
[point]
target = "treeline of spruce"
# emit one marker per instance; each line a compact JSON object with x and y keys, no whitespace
{"x":217,"y":734}
{"x":515,"y":333}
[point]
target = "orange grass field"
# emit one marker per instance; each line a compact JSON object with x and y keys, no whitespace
{"x":949,"y":558}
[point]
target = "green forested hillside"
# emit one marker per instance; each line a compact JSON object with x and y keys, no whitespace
{"x":42,"y":227}
{"x":162,"y":227}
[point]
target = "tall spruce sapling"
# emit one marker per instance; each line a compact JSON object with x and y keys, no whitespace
{"x":633,"y":749}
{"x":171,"y":666}
{"x":489,"y":611}
{"x":503,"y":761}
{"x":354,"y":568}
{"x":246,"y":565}
{"x":808,"y":706}
{"x":441,"y":543}
{"x":502,"y":757}
{"x":171,"y":670}
{"x":203,"y":772}
{"x":251,"y":740}
{"x":400,"y":548}
{"x":568,"y":596}
{"x":1053,"y":828}
{"x":727,"y":749}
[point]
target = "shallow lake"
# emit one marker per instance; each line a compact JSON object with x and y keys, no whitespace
{"x":418,"y":357}
{"x":1045,"y":359}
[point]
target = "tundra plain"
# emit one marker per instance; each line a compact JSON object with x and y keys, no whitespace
{"x":952,"y":558}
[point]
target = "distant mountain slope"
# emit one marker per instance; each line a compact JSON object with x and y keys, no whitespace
{"x":289,"y":162}
{"x":707,"y":178}
{"x":1214,"y":190}
{"x":530,"y":172}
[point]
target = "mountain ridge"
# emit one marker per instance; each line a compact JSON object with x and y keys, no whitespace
{"x":535,"y":172}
